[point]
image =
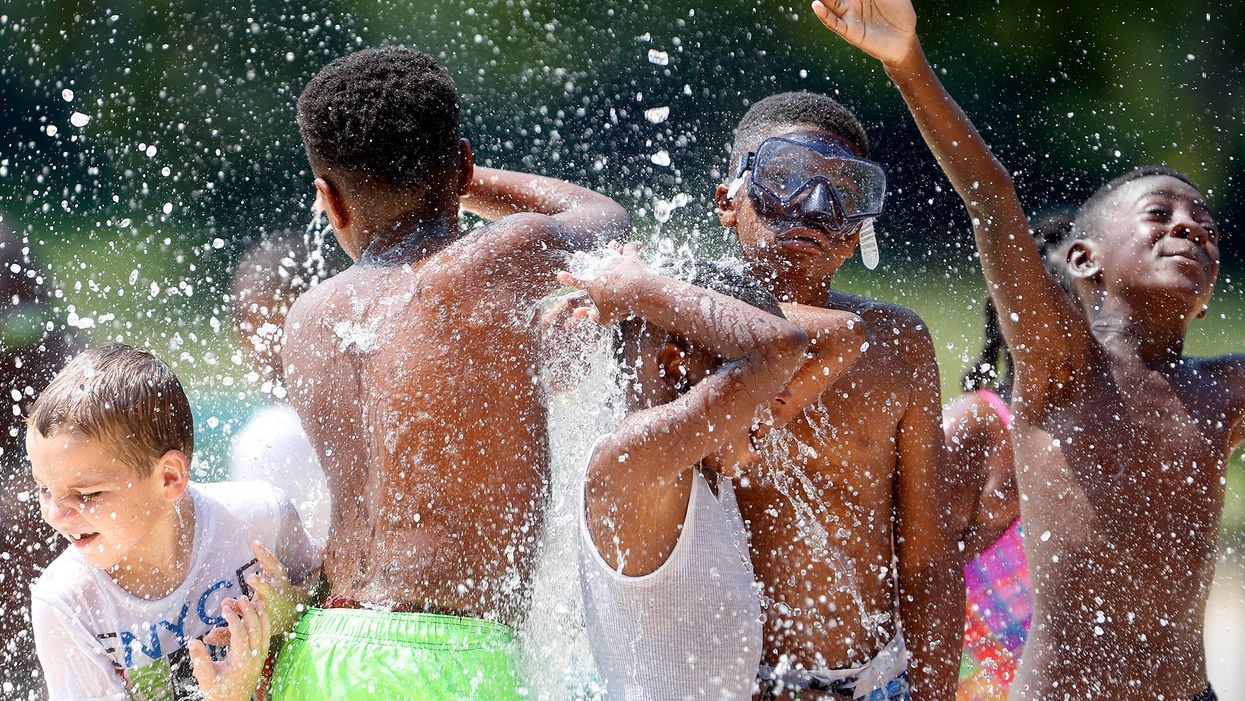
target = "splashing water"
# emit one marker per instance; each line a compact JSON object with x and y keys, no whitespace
{"x":555,"y":655}
{"x":315,"y":237}
{"x":812,"y":522}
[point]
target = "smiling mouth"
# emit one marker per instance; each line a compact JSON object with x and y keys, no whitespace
{"x":80,"y":539}
{"x":1189,"y":257}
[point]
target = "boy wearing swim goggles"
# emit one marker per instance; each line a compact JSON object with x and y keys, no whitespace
{"x":857,"y":482}
{"x":804,"y":177}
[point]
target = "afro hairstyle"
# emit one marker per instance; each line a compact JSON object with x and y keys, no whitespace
{"x":389,"y":114}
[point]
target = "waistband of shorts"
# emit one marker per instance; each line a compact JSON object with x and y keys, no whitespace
{"x":404,"y":628}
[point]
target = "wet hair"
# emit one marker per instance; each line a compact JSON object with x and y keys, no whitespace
{"x":1088,"y":214}
{"x":791,"y":108}
{"x":715,"y":277}
{"x":386,"y":114}
{"x":994,"y":361}
{"x":126,"y":398}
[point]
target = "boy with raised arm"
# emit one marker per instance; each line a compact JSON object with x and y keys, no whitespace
{"x":671,"y":605}
{"x":415,"y":375}
{"x":857,"y":482}
{"x":1120,"y":441}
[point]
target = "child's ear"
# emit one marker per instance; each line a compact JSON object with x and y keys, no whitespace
{"x":725,"y":207}
{"x":174,"y":469}
{"x":466,"y":167}
{"x":334,"y":206}
{"x":1082,"y":260}
{"x":672,"y":362}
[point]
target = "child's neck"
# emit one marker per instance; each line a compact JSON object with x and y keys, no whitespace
{"x":159,"y":565}
{"x":1157,"y":341}
{"x":808,"y":291}
{"x":411,"y":238}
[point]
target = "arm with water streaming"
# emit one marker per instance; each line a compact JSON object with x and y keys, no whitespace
{"x":760,"y":352}
{"x":1047,"y":335}
{"x":836,"y":340}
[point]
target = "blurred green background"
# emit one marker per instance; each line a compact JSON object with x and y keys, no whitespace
{"x":144,"y":145}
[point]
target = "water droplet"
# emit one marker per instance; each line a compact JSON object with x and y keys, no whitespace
{"x":657,"y":115}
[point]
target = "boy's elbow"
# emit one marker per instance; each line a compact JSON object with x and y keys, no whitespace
{"x":596,"y":223}
{"x":789,"y":341}
{"x":854,"y":337}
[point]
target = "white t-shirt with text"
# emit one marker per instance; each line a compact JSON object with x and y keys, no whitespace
{"x":97,"y":641}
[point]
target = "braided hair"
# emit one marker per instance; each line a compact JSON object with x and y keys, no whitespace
{"x":994,"y":362}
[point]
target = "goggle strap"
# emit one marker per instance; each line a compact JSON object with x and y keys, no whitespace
{"x":744,"y":164}
{"x":869,"y":245}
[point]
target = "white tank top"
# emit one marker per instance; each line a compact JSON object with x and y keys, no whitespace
{"x":692,"y":628}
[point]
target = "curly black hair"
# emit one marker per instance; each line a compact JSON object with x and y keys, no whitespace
{"x":388,"y":113}
{"x":791,"y":108}
{"x":1083,"y":224}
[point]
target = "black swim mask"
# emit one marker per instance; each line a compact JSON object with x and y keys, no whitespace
{"x":802,"y":178}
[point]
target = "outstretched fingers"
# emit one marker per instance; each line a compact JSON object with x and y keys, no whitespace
{"x":833,"y":15}
{"x":239,"y":636}
{"x":570,"y":280}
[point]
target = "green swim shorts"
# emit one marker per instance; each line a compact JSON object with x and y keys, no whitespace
{"x":366,"y":654}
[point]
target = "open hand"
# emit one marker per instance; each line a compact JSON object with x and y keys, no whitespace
{"x":884,"y":29}
{"x":246,"y":632}
{"x":273,"y":588}
{"x":606,"y":283}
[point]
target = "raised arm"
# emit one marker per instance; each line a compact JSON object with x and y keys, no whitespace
{"x":760,"y":351}
{"x":1046,"y":333}
{"x":588,"y":217}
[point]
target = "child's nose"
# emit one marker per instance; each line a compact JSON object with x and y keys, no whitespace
{"x":1190,"y":229}
{"x":59,"y":511}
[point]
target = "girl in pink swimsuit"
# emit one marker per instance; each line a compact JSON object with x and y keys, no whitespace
{"x":999,"y":603}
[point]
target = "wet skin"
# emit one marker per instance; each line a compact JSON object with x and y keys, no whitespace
{"x":875,"y":479}
{"x":416,"y":379}
{"x":1124,"y":465}
{"x":979,"y":450}
{"x":1120,"y":441}
{"x":736,"y":358}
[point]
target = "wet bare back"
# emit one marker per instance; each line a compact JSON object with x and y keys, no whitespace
{"x":417,"y":385}
{"x":823,"y":507}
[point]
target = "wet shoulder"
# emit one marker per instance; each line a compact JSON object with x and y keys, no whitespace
{"x":896,"y":334}
{"x":319,"y":301}
{"x":65,"y":581}
{"x":525,"y":239}
{"x":1226,"y":372}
